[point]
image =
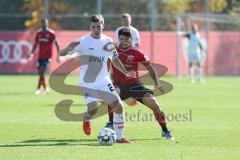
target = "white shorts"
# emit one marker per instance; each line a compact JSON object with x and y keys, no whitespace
{"x":104,"y":92}
{"x":193,"y":58}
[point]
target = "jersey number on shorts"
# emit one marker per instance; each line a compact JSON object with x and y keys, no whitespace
{"x":111,"y":88}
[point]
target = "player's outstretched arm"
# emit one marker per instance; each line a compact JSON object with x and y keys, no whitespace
{"x":117,"y":63}
{"x":65,"y":51}
{"x":154,"y":76}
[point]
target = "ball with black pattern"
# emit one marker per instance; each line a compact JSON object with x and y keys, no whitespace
{"x":107,"y":137}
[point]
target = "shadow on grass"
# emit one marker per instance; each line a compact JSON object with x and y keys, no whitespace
{"x":63,"y":142}
{"x":53,"y":142}
{"x":57,"y":140}
{"x":15,"y":93}
{"x":145,"y":139}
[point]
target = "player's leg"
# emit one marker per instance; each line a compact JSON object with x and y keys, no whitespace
{"x":39,"y":66}
{"x":151,"y":103}
{"x":145,"y":96}
{"x":120,"y":92}
{"x":90,"y":112}
{"x":190,"y":72}
{"x":42,"y":66}
{"x":191,"y":58}
{"x":91,"y":99}
{"x":149,"y":100}
{"x":109,"y":124}
{"x":114,"y":102}
{"x":42,"y":80}
{"x":199,"y":72}
{"x":42,"y":74}
{"x":118,"y":121}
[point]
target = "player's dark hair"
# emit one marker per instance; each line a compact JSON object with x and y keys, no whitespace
{"x":125,"y":31}
{"x":96,"y":18}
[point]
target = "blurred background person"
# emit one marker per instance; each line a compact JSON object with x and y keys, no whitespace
{"x":126,"y":22}
{"x":195,"y":53}
{"x":44,"y":38}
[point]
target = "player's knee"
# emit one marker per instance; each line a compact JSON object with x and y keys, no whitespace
{"x":92,"y":111}
{"x":92,"y":108}
{"x":116,"y":106}
{"x":117,"y":89}
{"x":149,"y":98}
{"x":41,"y":70}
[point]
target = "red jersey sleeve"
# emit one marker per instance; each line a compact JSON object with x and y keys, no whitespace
{"x":143,"y":59}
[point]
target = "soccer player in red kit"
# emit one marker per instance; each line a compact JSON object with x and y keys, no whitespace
{"x":131,"y":56}
{"x":45,"y":38}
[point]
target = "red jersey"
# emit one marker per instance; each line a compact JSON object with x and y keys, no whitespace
{"x":130,"y":59}
{"x":45,"y":40}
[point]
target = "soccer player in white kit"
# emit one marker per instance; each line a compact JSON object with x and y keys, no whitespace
{"x":126,"y":22}
{"x":96,"y":49}
{"x":195,"y":53}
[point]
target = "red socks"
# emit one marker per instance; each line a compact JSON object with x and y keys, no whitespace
{"x":161,"y":120}
{"x":41,"y":81}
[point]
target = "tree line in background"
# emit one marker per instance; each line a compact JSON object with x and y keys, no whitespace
{"x":140,"y":9}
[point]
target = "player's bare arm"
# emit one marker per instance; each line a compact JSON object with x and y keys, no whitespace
{"x":201,"y":48}
{"x":65,"y":51}
{"x":32,"y":52}
{"x":154,"y":76}
{"x":117,"y":63}
{"x":58,"y":48}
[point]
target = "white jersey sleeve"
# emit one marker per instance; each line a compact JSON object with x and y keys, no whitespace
{"x":110,"y":50}
{"x":78,"y":48}
{"x":135,"y":36}
{"x":116,"y":33}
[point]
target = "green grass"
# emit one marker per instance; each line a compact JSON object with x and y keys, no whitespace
{"x":29,"y":128}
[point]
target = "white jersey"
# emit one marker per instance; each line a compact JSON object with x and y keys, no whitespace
{"x":94,"y":54}
{"x":192,"y":49}
{"x":193,"y":44}
{"x":134,"y":33}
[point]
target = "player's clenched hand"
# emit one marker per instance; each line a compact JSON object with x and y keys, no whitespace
{"x":160,"y":88}
{"x":131,"y":74}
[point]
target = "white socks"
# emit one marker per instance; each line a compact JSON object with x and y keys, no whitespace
{"x":118,"y":125}
{"x":199,"y":73}
{"x":190,"y":73}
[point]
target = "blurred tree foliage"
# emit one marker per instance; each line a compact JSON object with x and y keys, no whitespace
{"x":11,"y":7}
{"x":139,"y":9}
{"x":37,"y":10}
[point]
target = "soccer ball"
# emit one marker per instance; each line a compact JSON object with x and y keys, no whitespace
{"x":107,"y":137}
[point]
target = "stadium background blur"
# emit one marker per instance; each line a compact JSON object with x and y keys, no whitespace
{"x":157,"y":20}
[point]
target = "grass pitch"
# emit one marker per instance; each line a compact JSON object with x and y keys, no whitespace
{"x":204,"y":119}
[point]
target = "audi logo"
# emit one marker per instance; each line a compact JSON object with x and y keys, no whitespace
{"x":12,"y":51}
